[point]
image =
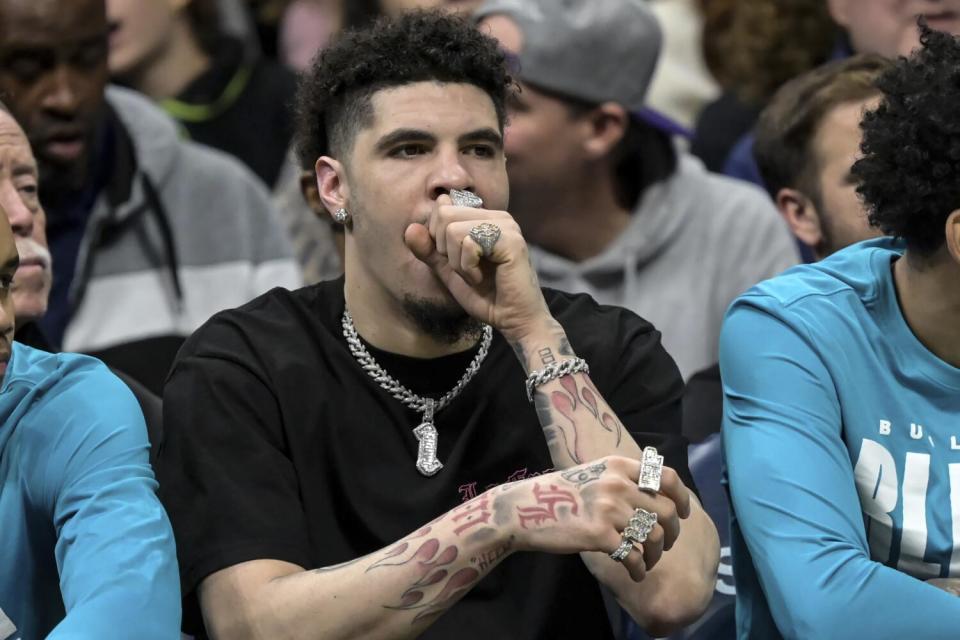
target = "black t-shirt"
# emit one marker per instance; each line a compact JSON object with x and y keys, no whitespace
{"x":279,"y":446}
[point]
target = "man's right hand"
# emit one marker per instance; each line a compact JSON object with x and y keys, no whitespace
{"x":399,"y":590}
{"x":586,"y":508}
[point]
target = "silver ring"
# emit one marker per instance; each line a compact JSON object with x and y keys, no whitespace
{"x":466,"y":199}
{"x":651,"y":468}
{"x":640,"y":525}
{"x":485,"y":235}
{"x":621,"y":552}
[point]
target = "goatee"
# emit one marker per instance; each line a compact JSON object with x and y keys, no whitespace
{"x":444,"y":322}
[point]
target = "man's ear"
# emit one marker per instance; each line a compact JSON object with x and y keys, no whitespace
{"x":953,"y":235}
{"x":608,"y":124}
{"x":801,"y":216}
{"x":332,"y":187}
{"x":311,"y":194}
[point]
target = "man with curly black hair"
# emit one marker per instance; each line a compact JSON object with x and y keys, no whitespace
{"x":310,"y":432}
{"x":842,"y":383}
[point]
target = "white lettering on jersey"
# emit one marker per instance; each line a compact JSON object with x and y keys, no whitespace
{"x":876,"y":478}
{"x":916,"y":431}
{"x":885,"y":427}
{"x":725,"y":580}
{"x":913,"y":543}
{"x":954,"y":444}
{"x":955,"y":511}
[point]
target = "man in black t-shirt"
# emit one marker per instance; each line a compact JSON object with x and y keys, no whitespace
{"x":360,"y":458}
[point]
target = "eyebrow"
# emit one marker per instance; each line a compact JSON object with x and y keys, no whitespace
{"x":486,"y":135}
{"x":404,"y":135}
{"x":399,"y":136}
{"x":23,"y":169}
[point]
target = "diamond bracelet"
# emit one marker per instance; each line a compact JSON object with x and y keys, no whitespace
{"x":554,"y":371}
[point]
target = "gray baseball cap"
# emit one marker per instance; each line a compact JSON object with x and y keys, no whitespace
{"x":593,"y":50}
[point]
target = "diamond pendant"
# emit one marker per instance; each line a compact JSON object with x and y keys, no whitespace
{"x":427,"y":462}
{"x":426,"y":435}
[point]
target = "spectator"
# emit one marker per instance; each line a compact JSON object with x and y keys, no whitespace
{"x":307,"y":27}
{"x":752,"y":48}
{"x":806,"y":142}
{"x":840,"y":423}
{"x":682,"y":84}
{"x":86,"y":547}
{"x":884,"y":27}
{"x":150,"y":235}
{"x":290,"y":474}
{"x":889,"y":27}
{"x":222,"y":96}
{"x":597,"y":185}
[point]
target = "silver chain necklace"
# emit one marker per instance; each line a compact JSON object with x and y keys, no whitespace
{"x":426,"y":433}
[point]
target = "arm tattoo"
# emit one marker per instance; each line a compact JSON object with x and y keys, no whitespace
{"x":565,"y":348}
{"x":437,"y":582}
{"x":585,"y":475}
{"x":518,"y":349}
{"x":334,"y":567}
{"x":546,"y":355}
{"x":489,"y":559}
{"x":434,"y":588}
{"x":474,"y":513}
{"x":577,"y":393}
{"x":551,"y":502}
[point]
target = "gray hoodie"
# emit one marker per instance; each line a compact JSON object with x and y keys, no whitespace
{"x":196,"y":234}
{"x":696,"y":241}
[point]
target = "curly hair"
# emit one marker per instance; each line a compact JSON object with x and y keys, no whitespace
{"x":909,"y":174}
{"x":754,"y":47}
{"x":334,"y":97}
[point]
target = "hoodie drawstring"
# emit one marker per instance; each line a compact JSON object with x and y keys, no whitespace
{"x":79,"y":287}
{"x":166,"y":232}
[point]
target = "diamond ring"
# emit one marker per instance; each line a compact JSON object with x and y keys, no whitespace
{"x":640,"y":526}
{"x":485,"y":235}
{"x":621,"y":552}
{"x":651,"y":467}
{"x":466,"y":199}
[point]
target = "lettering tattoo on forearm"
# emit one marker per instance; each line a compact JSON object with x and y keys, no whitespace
{"x":438,"y":582}
{"x":546,"y":355}
{"x":472,"y":514}
{"x":550,"y":503}
{"x":489,"y":559}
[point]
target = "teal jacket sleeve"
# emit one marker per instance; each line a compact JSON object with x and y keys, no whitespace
{"x":793,"y":493}
{"x":115,"y":548}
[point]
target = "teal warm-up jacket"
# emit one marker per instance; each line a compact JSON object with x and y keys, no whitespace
{"x":86,"y":550}
{"x":842,"y":443}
